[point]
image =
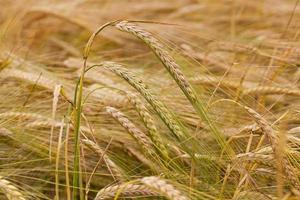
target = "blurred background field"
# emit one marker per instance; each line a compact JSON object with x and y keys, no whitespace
{"x":234,"y":53}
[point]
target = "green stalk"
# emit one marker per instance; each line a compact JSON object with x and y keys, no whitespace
{"x":66,"y":133}
{"x":77,"y":176}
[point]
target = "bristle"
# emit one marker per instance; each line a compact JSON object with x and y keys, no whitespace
{"x":117,"y":172}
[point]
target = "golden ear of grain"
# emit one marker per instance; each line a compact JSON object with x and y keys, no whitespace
{"x":272,"y":136}
{"x":43,"y":123}
{"x":213,"y":81}
{"x":125,"y":190}
{"x":135,"y":132}
{"x":161,"y":53}
{"x":256,"y":157}
{"x":10,"y":191}
{"x":149,"y":123}
{"x":22,"y":115}
{"x":270,"y":90}
{"x":163,"y":188}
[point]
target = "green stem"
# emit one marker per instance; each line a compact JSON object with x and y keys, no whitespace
{"x":77,"y":176}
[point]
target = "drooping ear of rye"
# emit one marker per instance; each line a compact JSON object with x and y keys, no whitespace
{"x":173,"y":69}
{"x":273,"y":138}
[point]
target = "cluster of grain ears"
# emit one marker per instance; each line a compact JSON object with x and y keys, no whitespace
{"x":164,"y":113}
{"x":270,"y":133}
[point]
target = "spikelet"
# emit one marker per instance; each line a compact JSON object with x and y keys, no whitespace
{"x":270,"y":90}
{"x":48,"y":122}
{"x":257,"y":157}
{"x":43,"y":123}
{"x":163,"y":188}
{"x":149,"y":123}
{"x":213,"y":81}
{"x":135,"y":132}
{"x":125,"y":190}
{"x":250,"y":128}
{"x":11,"y":191}
{"x":268,"y":130}
{"x":113,"y":167}
{"x":22,"y":115}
